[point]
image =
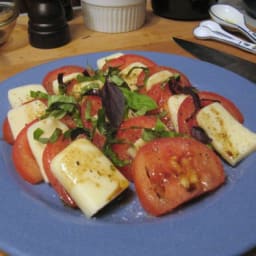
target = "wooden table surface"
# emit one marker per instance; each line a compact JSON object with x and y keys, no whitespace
{"x":156,"y":35}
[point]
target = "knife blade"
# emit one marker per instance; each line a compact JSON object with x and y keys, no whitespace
{"x":233,"y":63}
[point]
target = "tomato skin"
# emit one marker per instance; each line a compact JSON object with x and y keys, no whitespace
{"x":7,"y":133}
{"x":187,"y":111}
{"x":161,"y":166}
{"x":129,"y":132}
{"x":52,"y":75}
{"x":127,"y":59}
{"x":51,"y":150}
{"x":23,"y":158}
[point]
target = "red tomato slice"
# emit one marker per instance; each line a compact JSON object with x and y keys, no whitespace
{"x":7,"y":133}
{"x":51,"y":150}
{"x":160,"y":92}
{"x":23,"y":158}
{"x":129,"y":132}
{"x":170,"y":171}
{"x":69,"y":121}
{"x":184,"y":81}
{"x":187,"y":112}
{"x":127,"y":59}
{"x":186,"y":116}
{"x":210,"y":97}
{"x":52,"y":75}
{"x":94,"y":104}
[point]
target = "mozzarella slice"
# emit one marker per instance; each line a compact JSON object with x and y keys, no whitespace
{"x":66,"y":79}
{"x":48,"y":125}
{"x":77,"y":88}
{"x":88,"y":176}
{"x":102,"y":61}
{"x":174,"y":103}
{"x":19,"y":95}
{"x":159,"y":77}
{"x":131,"y":77}
{"x":230,"y":138}
{"x":20,"y":116}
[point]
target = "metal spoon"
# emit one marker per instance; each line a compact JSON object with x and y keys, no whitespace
{"x":212,"y":30}
{"x":230,"y":17}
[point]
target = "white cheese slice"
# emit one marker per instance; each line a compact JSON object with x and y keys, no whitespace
{"x":131,"y":77}
{"x":132,"y":151}
{"x":88,"y":176}
{"x":101,"y":62}
{"x":66,"y":79}
{"x":20,"y":116}
{"x":174,"y":103}
{"x":230,"y":138}
{"x":19,"y":95}
{"x":159,"y":77}
{"x":48,"y":126}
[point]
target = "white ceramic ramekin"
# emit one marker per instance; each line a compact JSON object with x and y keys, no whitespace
{"x":114,"y":16}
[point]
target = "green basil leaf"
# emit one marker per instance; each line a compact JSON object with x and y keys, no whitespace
{"x":37,"y":135}
{"x":52,"y":99}
{"x":159,"y":131}
{"x":75,"y":132}
{"x":39,"y":95}
{"x":140,"y":102}
{"x":113,"y":156}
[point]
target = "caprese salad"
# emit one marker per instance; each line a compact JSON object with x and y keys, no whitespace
{"x":90,"y":133}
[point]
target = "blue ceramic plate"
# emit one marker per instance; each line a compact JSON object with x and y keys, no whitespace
{"x":34,"y":222}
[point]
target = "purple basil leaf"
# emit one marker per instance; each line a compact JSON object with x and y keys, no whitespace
{"x":113,"y":103}
{"x":199,"y":134}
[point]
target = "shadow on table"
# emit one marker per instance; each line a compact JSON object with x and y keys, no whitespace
{"x":251,"y":252}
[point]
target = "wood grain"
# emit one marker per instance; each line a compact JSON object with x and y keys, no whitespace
{"x":156,"y":35}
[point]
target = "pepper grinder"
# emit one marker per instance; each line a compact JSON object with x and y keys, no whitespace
{"x":47,"y":25}
{"x":68,"y":9}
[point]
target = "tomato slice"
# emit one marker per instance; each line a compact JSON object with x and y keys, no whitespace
{"x":170,"y":171}
{"x":90,"y":106}
{"x":187,"y":111}
{"x":51,"y":150}
{"x":210,"y":97}
{"x":7,"y":132}
{"x":127,"y":59}
{"x":23,"y":158}
{"x":129,"y":132}
{"x":184,"y":81}
{"x":160,"y":91}
{"x":52,"y":75}
{"x":186,"y":116}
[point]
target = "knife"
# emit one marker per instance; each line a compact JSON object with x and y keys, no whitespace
{"x":238,"y":65}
